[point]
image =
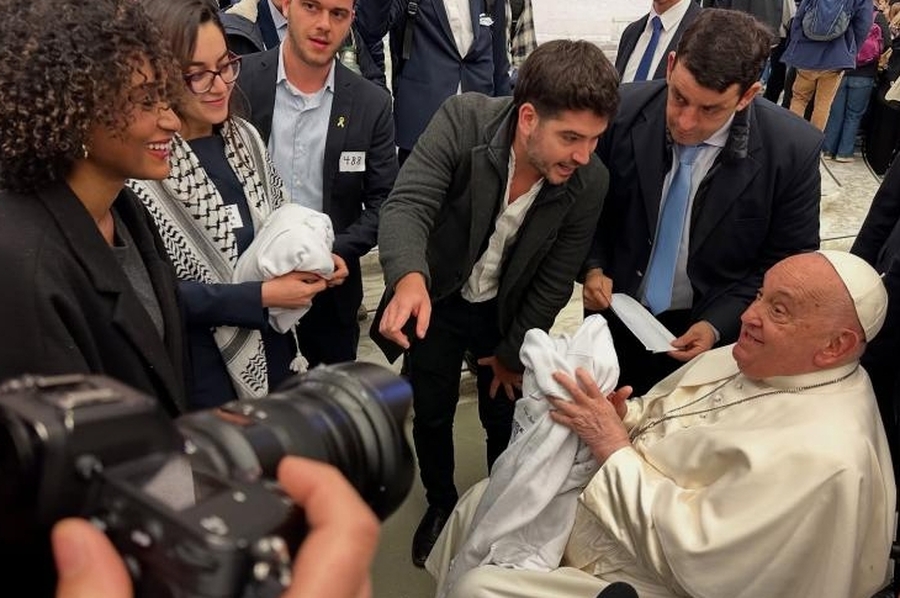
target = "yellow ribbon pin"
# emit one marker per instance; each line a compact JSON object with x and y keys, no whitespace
{"x":341,"y":121}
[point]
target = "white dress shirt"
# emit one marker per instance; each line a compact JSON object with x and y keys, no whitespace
{"x":484,"y":280}
{"x":299,"y":131}
{"x":460,"y":16}
{"x":671,"y":19}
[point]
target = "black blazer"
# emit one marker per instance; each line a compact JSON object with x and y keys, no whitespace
{"x":68,"y":307}
{"x":631,"y":34}
{"x":759,"y":202}
{"x":878,"y":243}
{"x":360,"y":122}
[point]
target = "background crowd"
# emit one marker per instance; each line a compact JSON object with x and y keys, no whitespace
{"x":145,"y":171}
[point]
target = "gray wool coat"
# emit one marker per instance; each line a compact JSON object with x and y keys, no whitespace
{"x":443,"y":205}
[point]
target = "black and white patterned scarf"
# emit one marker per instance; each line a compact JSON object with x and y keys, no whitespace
{"x":199,"y":237}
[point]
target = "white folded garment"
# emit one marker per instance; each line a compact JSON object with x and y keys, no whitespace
{"x":292,"y":239}
{"x":527,"y":510}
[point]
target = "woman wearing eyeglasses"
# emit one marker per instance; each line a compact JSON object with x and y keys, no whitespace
{"x":221,"y":188}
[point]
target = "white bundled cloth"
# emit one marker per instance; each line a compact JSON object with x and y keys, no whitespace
{"x":292,"y":239}
{"x":528,"y":508}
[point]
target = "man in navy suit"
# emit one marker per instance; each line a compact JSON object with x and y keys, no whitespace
{"x":751,"y":197}
{"x":331,"y":137}
{"x":673,"y":17}
{"x":438,"y":48}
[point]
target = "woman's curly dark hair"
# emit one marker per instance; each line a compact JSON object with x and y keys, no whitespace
{"x":67,"y":66}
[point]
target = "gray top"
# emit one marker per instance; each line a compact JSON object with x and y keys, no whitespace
{"x":129,"y":258}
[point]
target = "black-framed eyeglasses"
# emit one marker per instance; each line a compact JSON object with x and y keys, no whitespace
{"x":201,"y":82}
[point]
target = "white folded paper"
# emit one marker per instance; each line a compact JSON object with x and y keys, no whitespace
{"x":656,"y":337}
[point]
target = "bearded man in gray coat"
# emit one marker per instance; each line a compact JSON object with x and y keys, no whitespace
{"x":482,"y":239}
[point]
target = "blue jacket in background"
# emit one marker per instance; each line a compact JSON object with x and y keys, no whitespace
{"x":839,"y":53}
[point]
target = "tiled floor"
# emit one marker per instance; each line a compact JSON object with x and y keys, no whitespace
{"x":847,"y":193}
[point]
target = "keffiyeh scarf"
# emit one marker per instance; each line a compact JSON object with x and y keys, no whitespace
{"x":199,"y":238}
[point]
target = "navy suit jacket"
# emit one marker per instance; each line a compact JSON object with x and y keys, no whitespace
{"x":759,"y":202}
{"x":435,"y":69}
{"x":631,"y":34}
{"x":360,"y":121}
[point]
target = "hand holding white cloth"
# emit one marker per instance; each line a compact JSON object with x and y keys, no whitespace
{"x":526,"y":513}
{"x":292,"y":239}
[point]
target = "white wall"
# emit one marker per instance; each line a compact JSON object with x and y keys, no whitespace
{"x":600,"y":21}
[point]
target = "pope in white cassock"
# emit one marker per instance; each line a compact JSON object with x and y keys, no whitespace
{"x":757,"y":469}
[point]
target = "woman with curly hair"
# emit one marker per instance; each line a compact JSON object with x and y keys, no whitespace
{"x":221,"y":189}
{"x":84,"y":105}
{"x":87,"y":286}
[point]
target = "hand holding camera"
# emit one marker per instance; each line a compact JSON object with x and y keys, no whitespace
{"x":192,"y":507}
{"x":334,"y":559}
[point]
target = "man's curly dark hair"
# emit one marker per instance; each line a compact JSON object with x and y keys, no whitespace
{"x":67,"y":66}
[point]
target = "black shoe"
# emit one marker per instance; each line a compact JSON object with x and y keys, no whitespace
{"x":427,"y":534}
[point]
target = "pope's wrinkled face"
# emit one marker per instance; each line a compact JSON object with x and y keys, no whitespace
{"x":789,"y":325}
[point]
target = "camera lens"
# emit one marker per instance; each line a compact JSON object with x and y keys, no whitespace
{"x":350,"y":415}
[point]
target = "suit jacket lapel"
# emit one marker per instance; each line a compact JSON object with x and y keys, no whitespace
{"x":476,"y":9}
{"x":651,"y":133}
{"x":487,"y":188}
{"x":264,"y":92}
{"x":490,"y":167}
{"x":725,"y":186}
{"x":164,"y":285}
{"x":339,"y":121}
{"x":444,"y":20}
{"x":106,"y":274}
{"x":628,"y":44}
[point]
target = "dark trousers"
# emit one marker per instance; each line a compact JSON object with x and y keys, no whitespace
{"x":777,"y":72}
{"x":435,"y":366}
{"x":329,"y":332}
{"x":639,"y":368}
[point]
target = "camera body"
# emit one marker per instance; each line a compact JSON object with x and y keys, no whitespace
{"x":191,"y":504}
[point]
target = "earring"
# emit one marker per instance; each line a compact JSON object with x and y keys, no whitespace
{"x":84,"y":151}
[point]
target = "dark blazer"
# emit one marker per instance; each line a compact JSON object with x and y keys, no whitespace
{"x":443,"y":209}
{"x":758,"y":204}
{"x":360,"y":122}
{"x":878,"y":243}
{"x":631,"y":34}
{"x":435,"y":70}
{"x":67,"y":305}
{"x":767,"y":11}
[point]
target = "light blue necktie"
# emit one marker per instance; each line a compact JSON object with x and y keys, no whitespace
{"x":644,"y":66}
{"x":661,"y":272}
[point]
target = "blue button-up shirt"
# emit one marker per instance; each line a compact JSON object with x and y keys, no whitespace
{"x":299,"y":130}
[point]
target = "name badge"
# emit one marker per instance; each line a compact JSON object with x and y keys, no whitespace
{"x":353,"y":162}
{"x":485,"y":20}
{"x":234,"y":216}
